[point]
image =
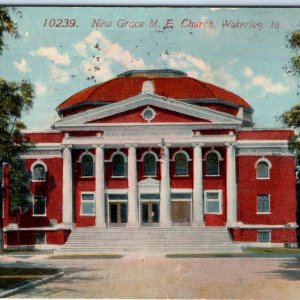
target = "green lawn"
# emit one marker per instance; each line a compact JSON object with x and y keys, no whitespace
{"x":259,"y":250}
{"x":86,"y":256}
{"x":11,"y":277}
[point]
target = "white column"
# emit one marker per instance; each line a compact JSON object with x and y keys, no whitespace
{"x":231,"y":185}
{"x":133,"y":212}
{"x":198,"y":185}
{"x":100,"y":186}
{"x":165,"y":191}
{"x":67,"y":186}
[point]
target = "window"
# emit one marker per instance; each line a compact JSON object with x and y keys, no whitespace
{"x":39,"y":172}
{"x":148,"y":114}
{"x":181,"y":164}
{"x":181,"y":196}
{"x":87,"y":165}
{"x":119,"y":166}
{"x":212,"y":164}
{"x":263,"y":204}
{"x":262,"y":170}
{"x":213,"y":202}
{"x":264,"y":236}
{"x":39,"y":206}
{"x":149,"y":165}
{"x":39,"y":238}
{"x":87,"y":204}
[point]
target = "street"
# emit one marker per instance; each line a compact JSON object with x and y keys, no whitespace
{"x":160,"y":277}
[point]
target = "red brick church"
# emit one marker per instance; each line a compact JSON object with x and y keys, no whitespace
{"x":154,"y":151}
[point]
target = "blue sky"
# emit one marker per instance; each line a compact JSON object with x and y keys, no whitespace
{"x":247,"y":60}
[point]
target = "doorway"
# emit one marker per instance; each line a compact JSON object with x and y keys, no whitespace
{"x":118,"y":213}
{"x":181,"y":213}
{"x":150,"y":213}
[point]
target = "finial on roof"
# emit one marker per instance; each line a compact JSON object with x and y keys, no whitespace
{"x":148,"y":87}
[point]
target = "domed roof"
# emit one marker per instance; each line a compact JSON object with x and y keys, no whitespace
{"x":168,"y":83}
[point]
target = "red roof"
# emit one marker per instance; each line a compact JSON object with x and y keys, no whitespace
{"x":121,"y":88}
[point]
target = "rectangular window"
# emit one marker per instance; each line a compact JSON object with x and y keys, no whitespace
{"x":264,"y":236}
{"x":213,"y":201}
{"x":263,"y":204}
{"x":39,"y":206}
{"x":88,"y":204}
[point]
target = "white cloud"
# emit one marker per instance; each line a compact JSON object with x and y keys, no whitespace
{"x":40,"y":89}
{"x":248,"y":72}
{"x":53,"y":55}
{"x":268,"y":85}
{"x":104,"y":56}
{"x":80,"y":47}
{"x":22,"y":66}
{"x":200,"y":69}
{"x":264,"y":82}
{"x":59,"y":75}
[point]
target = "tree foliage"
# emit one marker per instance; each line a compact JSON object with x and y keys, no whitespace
{"x":15,"y":100}
{"x":6,"y":26}
{"x":292,"y":117}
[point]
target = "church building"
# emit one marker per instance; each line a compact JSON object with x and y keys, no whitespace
{"x":156,"y":149}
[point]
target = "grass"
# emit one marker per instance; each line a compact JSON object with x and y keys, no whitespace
{"x":274,"y":250}
{"x":86,"y":256}
{"x":11,"y":277}
{"x":247,"y":252}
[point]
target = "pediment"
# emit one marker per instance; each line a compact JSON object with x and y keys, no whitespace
{"x":129,"y":111}
{"x":149,"y":182}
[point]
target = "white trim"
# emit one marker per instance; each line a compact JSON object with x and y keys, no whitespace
{"x":117,"y":152}
{"x":262,"y":143}
{"x":144,"y":100}
{"x":45,"y":201}
{"x":38,"y":162}
{"x":153,"y":113}
{"x":220,"y":200}
{"x":181,"y":151}
{"x":219,"y":159}
{"x":262,"y":245}
{"x":89,"y":201}
{"x":187,"y":161}
{"x":263,"y":160}
{"x":86,"y":152}
{"x":26,"y":131}
{"x":213,"y":151}
{"x":155,"y":165}
{"x":147,"y":152}
{"x":183,"y":191}
{"x":264,"y":226}
{"x":116,"y":191}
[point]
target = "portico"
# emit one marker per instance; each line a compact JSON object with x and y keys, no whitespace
{"x":151,"y":201}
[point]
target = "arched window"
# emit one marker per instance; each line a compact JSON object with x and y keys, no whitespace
{"x":119,"y":166}
{"x":212,"y":163}
{"x":181,"y":164}
{"x":39,"y":172}
{"x":149,"y":165}
{"x":262,"y":169}
{"x":87,"y":165}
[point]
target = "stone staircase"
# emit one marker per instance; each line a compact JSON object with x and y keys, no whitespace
{"x":157,"y":240}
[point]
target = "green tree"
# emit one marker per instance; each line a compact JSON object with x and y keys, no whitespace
{"x":15,"y":100}
{"x":292,"y":116}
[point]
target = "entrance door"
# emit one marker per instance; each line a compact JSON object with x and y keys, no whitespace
{"x":117,"y":213}
{"x":150,"y":213}
{"x":181,"y":212}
